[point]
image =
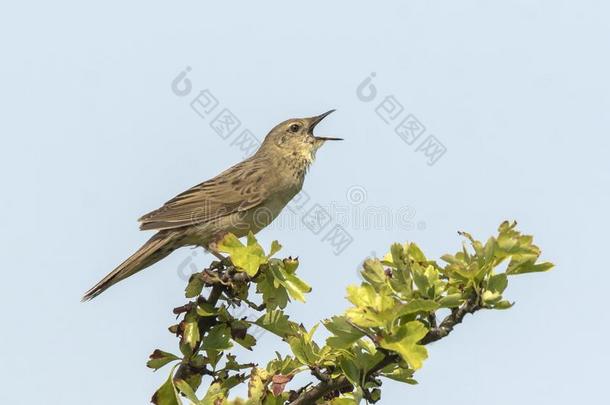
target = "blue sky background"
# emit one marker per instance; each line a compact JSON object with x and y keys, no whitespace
{"x":93,"y":137}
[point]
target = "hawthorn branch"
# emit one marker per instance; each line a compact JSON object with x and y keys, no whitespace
{"x":316,"y":372}
{"x":186,"y":369}
{"x":328,"y":385}
{"x":214,"y":294}
{"x":456,"y":317}
{"x":221,"y":276}
{"x":255,"y":307}
{"x":321,"y":390}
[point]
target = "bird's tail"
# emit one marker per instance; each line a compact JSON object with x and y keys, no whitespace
{"x":155,"y":249}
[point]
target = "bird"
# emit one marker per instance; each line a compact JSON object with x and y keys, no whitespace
{"x":244,"y":198}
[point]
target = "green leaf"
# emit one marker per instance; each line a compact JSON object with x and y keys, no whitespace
{"x":191,"y":333}
{"x":238,"y":327}
{"x":401,"y":280}
{"x":350,"y":370}
{"x":194,"y":287}
{"x":344,"y":333}
{"x":275,"y":247}
{"x":230,"y":383}
{"x":374,"y":273}
{"x":421,"y":281}
{"x":373,"y":308}
{"x":415,"y":253}
{"x":399,"y":374}
{"x":296,"y":287}
{"x":273,"y":296}
{"x":503,"y":305}
{"x":352,"y":398}
{"x":192,"y":379}
{"x":427,"y":280}
{"x":216,"y":395}
{"x":167,"y":394}
{"x":285,"y":366}
{"x":247,"y":341}
{"x":159,"y":358}
{"x":451,"y":300}
{"x":417,"y":305}
{"x":213,"y":357}
{"x":404,"y":342}
{"x":511,"y":243}
{"x":450,"y":259}
{"x":398,"y":256}
{"x":206,"y":309}
{"x":277,"y":323}
{"x":304,"y":348}
{"x":218,"y":338}
{"x":273,"y":400}
{"x":231,"y":363}
{"x":529,"y":266}
{"x":489,"y":249}
{"x":249,"y":257}
{"x":290,"y":265}
{"x":365,"y":354}
{"x":490,"y":298}
{"x":186,"y":389}
{"x":256,"y":386}
{"x":497,"y":283}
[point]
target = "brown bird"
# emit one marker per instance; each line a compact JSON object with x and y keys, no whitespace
{"x":245,"y":198}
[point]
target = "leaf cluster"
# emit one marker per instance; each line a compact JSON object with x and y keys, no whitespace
{"x":393,"y":315}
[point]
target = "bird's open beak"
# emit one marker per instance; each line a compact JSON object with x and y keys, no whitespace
{"x":315,"y":121}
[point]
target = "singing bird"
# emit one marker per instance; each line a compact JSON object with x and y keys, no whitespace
{"x":244,"y":198}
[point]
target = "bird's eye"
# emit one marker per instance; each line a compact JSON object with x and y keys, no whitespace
{"x":295,"y":128}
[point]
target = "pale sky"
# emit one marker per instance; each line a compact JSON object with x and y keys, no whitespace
{"x":93,"y":136}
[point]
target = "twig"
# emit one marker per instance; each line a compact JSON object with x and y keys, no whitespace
{"x":183,"y":308}
{"x":214,"y":294}
{"x":315,"y":371}
{"x":252,"y":305}
{"x":364,"y":332}
{"x":320,"y":390}
{"x":455,"y":318}
{"x":432,"y":320}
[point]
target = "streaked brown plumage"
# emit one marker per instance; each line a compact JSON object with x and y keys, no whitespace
{"x":246,"y":197}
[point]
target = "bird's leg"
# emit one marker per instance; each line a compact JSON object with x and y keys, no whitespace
{"x":213,"y":249}
{"x":218,"y":268}
{"x":218,"y":255}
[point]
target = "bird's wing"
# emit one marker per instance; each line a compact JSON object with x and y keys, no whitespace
{"x":241,"y":187}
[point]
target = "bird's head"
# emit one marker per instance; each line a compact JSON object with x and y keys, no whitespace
{"x":294,"y":138}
